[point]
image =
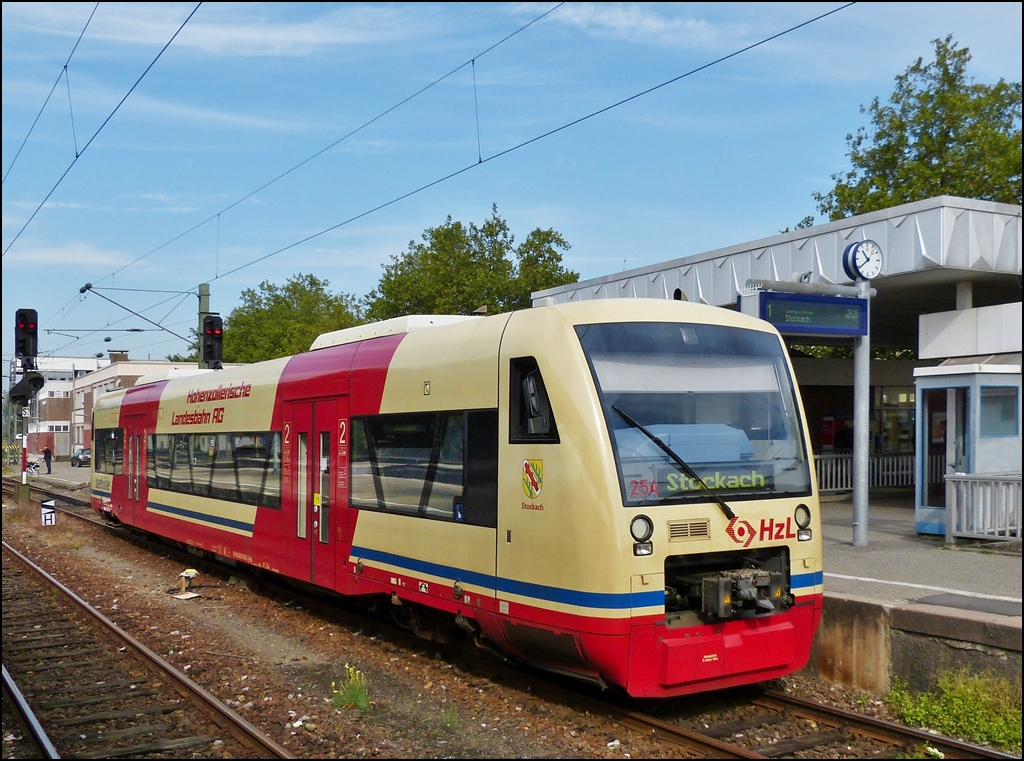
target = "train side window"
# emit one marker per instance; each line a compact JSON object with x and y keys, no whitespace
{"x":203,"y":453}
{"x":413,"y":464}
{"x":446,"y":479}
{"x":269,"y":444}
{"x":257,"y":464}
{"x":531,"y":419}
{"x":108,"y":449}
{"x":181,"y":464}
{"x":159,"y":461}
{"x":224,"y":476}
{"x":481,"y":498}
{"x":402,"y":446}
{"x":362,"y":489}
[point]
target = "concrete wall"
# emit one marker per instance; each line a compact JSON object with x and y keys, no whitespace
{"x":970,"y":332}
{"x":865,"y":643}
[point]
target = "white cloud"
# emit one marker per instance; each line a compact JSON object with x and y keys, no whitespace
{"x":75,"y":254}
{"x":638,"y":23}
{"x":228,"y":29}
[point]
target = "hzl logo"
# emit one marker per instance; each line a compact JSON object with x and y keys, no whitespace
{"x":533,"y":477}
{"x":743,"y":533}
{"x":740,"y":532}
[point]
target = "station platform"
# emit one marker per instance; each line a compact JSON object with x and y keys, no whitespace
{"x":907,"y":605}
{"x":900,"y":566}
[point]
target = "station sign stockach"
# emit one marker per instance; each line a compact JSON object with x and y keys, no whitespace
{"x":808,"y":314}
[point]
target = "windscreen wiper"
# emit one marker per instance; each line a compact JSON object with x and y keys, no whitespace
{"x":678,"y":461}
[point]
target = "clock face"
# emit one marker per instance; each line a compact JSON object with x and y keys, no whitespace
{"x":868,"y":260}
{"x":863,"y":259}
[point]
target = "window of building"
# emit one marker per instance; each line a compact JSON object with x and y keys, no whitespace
{"x":999,"y":411}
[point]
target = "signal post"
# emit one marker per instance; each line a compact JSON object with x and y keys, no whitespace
{"x":26,"y":348}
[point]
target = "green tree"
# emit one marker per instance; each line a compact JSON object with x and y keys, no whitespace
{"x":940,"y":134}
{"x":278,"y":321}
{"x":193,"y":349}
{"x":459,"y":268}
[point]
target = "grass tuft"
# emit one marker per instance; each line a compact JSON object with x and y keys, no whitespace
{"x":449,"y":718}
{"x":353,"y":692}
{"x":980,"y":708}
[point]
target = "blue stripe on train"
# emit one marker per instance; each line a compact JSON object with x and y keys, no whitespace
{"x":205,"y":517}
{"x":807,"y":580}
{"x":536,"y":591}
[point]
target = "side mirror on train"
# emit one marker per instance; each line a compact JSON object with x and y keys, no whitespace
{"x":531,"y":396}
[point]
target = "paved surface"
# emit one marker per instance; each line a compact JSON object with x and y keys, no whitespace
{"x":898,"y":566}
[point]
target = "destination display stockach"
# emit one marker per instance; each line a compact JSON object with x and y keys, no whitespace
{"x":216,"y":415}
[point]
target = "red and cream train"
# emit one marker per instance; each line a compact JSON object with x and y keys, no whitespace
{"x":620,"y":490}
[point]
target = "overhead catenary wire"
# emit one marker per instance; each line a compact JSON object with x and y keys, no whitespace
{"x":105,"y":121}
{"x":343,"y":138}
{"x":537,"y":138}
{"x":141,"y":317}
{"x":56,"y":82}
{"x":541,"y":136}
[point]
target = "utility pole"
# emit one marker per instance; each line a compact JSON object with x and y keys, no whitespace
{"x":204,"y":310}
{"x":861,"y":424}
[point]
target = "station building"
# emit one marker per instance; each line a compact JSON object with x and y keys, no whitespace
{"x":949,"y":290}
{"x":60,"y":416}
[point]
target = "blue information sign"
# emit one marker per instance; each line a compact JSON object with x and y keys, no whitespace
{"x":807,"y":314}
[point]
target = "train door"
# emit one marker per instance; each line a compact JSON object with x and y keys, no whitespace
{"x":136,"y":492}
{"x":944,"y":439}
{"x":313,"y":432}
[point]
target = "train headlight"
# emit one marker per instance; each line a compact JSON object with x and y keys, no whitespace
{"x":802,"y":516}
{"x":642,"y":528}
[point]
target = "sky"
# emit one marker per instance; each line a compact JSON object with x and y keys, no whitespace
{"x":406,"y":114}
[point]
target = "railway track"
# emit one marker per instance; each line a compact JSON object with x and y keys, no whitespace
{"x":763,"y":723}
{"x":99,"y":693}
{"x":739,"y":724}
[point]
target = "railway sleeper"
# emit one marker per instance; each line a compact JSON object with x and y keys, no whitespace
{"x":728,"y":730}
{"x":786,"y":747}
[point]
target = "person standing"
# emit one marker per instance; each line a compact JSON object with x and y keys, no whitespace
{"x":48,"y":458}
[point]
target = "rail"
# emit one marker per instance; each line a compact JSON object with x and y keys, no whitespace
{"x":835,"y":470}
{"x":983,"y":506}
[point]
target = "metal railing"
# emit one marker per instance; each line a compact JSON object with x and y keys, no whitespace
{"x":835,"y":470}
{"x":983,"y":506}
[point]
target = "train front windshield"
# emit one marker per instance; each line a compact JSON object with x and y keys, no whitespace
{"x":720,"y":398}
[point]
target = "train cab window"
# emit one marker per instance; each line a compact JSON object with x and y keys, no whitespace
{"x":719,"y":398}
{"x":530,"y":417}
{"x":108,"y":451}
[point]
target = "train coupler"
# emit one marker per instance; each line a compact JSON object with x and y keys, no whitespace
{"x":745,"y":590}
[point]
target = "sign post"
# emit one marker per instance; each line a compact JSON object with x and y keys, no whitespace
{"x":812,"y":309}
{"x":49,"y":512}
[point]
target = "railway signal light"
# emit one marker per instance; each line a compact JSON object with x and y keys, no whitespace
{"x":26,"y":336}
{"x":26,"y":388}
{"x":213,"y":341}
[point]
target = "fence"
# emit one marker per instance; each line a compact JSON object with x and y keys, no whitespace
{"x":983,"y":506}
{"x":835,"y":470}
